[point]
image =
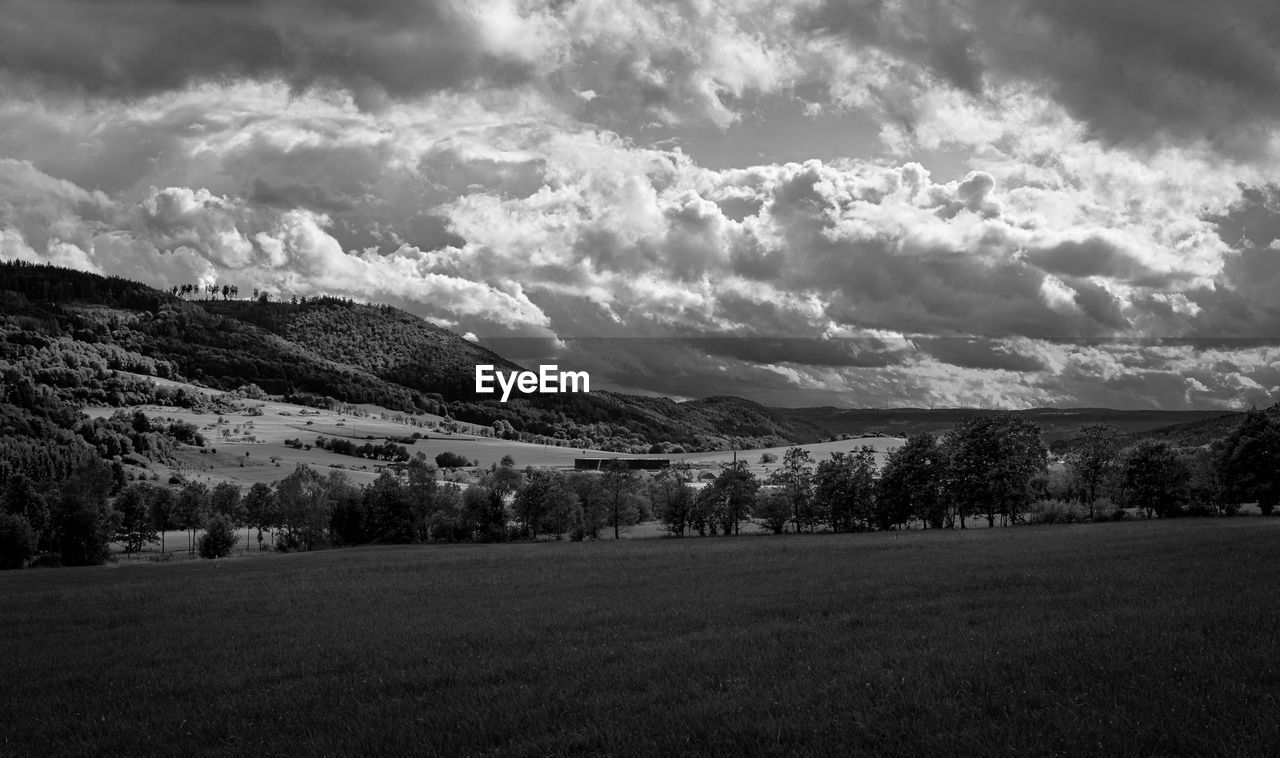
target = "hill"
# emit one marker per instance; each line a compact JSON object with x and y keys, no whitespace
{"x":324,"y":352}
{"x":1059,"y":425}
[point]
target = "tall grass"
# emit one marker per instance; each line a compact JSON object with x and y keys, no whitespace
{"x":1112,"y":639}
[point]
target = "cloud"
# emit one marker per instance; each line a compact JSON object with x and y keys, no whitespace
{"x":391,"y":49}
{"x":1134,"y":72}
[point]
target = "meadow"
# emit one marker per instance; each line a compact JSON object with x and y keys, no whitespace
{"x":1141,"y":638}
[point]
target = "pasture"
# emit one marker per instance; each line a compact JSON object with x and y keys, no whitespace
{"x":246,"y":449}
{"x":1150,"y":638}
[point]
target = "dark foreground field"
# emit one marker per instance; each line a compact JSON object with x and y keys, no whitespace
{"x":1124,"y":639}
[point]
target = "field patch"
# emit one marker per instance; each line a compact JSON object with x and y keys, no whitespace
{"x":1111,"y":639}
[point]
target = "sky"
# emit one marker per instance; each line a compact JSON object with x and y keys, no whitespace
{"x":861,"y":203}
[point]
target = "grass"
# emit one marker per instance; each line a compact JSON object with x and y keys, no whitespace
{"x":1112,"y":639}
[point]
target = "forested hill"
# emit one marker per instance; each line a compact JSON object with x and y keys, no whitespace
{"x":320,"y":350}
{"x":384,"y":341}
{"x":1058,"y":425}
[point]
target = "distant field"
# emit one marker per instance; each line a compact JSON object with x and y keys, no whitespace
{"x":255,"y":444}
{"x":1154,"y":638}
{"x":819,"y":450}
{"x":252,"y":449}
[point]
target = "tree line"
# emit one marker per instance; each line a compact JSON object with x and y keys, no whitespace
{"x":991,"y":469}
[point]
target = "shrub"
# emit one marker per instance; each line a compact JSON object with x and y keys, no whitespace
{"x":17,"y":541}
{"x":450,"y":459}
{"x":1055,"y":512}
{"x":768,"y":458}
{"x":287,"y":542}
{"x":219,"y":538}
{"x":1105,"y":509}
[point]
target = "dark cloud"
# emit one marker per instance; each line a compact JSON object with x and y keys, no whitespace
{"x":1090,"y":257}
{"x":401,"y":48}
{"x":980,"y":354}
{"x":1099,"y":305}
{"x":1133,"y":71}
{"x":927,"y":32}
{"x":1254,"y":220}
{"x":840,"y":353}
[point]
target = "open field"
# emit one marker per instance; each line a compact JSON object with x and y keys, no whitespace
{"x":249,"y":448}
{"x":254,"y":444}
{"x":820,"y":451}
{"x":1153,"y":638}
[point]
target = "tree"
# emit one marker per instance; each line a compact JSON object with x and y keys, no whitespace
{"x":225,"y":500}
{"x":730,"y":498}
{"x":1204,"y":489}
{"x":1155,"y":479}
{"x":1249,"y":462}
{"x":23,"y":499}
{"x":85,"y":515}
{"x":450,"y":459}
{"x":447,"y":520}
{"x":845,"y":487}
{"x":161,"y":507}
{"x":1093,"y":460}
{"x":87,"y":528}
{"x":348,"y":519}
{"x":910,"y":485}
{"x":302,"y":508}
{"x":672,"y":498}
{"x":530,"y":502}
{"x":794,"y":480}
{"x":192,"y":509}
{"x":219,"y":538}
{"x":774,"y":509}
{"x":17,"y":541}
{"x":590,"y":491}
{"x":618,"y":493}
{"x":991,"y":462}
{"x":390,"y":512}
{"x":260,"y":508}
{"x":421,"y":492}
{"x":484,"y":514}
{"x":135,"y":527}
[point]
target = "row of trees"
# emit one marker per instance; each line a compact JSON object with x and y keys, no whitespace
{"x":1161,"y":479}
{"x":992,"y":468}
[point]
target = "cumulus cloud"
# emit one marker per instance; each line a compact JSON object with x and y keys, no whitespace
{"x":1024,"y":200}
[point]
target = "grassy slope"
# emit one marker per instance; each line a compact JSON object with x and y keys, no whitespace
{"x":1122,"y":639}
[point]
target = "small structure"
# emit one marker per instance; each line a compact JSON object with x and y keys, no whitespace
{"x":632,"y":464}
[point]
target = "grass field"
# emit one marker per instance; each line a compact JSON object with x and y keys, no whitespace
{"x":245,"y":449}
{"x":253,"y":448}
{"x":1111,"y":639}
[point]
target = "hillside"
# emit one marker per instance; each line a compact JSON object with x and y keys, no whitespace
{"x":327,"y":351}
{"x":388,"y":343}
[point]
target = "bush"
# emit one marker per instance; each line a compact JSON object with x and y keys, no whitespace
{"x":768,"y":458}
{"x":1056,"y":512}
{"x":17,"y":541}
{"x":450,"y":459}
{"x":287,"y":542}
{"x":219,"y":538}
{"x":1105,"y":509}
